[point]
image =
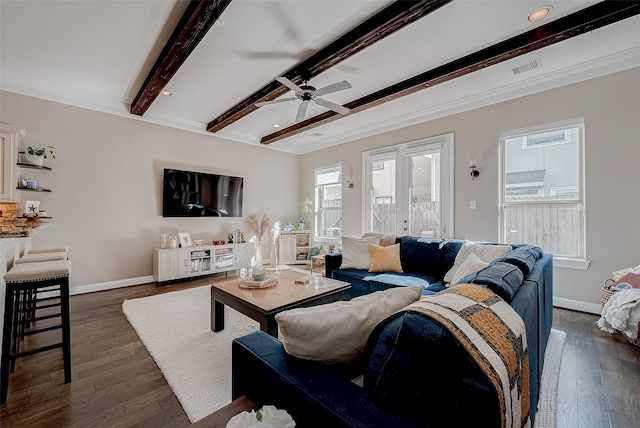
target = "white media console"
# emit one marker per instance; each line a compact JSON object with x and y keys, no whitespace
{"x":177,"y":263}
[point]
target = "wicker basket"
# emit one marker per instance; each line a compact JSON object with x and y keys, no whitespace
{"x":606,"y":295}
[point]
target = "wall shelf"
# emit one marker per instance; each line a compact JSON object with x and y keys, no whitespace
{"x":26,"y":165}
{"x":33,"y":190}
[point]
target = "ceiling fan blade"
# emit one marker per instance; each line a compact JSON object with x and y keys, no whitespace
{"x":289,"y":84}
{"x":340,"y":86}
{"x":266,"y":103}
{"x":332,"y":106}
{"x":302,"y":111}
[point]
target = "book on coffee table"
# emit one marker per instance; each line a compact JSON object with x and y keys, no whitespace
{"x":252,"y":283}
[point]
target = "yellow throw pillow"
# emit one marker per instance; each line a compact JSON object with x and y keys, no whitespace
{"x":385,"y":259}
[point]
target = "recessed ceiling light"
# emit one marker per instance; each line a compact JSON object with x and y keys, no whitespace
{"x":165,"y":93}
{"x":275,"y":125}
{"x":539,"y":13}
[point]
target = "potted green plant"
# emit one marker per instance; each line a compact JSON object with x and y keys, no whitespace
{"x":37,"y":155}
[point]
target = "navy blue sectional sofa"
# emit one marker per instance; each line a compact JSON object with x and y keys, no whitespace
{"x":431,"y":381}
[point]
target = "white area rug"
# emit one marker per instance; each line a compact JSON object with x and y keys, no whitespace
{"x":547,"y":415}
{"x":175,"y":328}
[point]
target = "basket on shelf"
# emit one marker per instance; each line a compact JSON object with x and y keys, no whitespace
{"x":606,"y":295}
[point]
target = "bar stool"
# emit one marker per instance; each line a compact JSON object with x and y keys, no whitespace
{"x":22,"y":280}
{"x":64,"y":249}
{"x":42,"y":257}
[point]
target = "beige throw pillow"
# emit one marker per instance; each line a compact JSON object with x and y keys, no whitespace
{"x":355,"y":252}
{"x":472,"y":264}
{"x":486,"y":253}
{"x":385,"y":259}
{"x":337,"y":332}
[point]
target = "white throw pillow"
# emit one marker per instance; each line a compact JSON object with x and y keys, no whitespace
{"x":472,"y":264}
{"x":355,"y":252}
{"x":486,"y":253}
{"x":337,"y":332}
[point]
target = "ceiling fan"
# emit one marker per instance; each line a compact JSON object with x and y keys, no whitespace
{"x":308,"y":93}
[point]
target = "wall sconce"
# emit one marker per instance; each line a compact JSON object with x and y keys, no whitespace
{"x":473,"y":164}
{"x":350,"y":184}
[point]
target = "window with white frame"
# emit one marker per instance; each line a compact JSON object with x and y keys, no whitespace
{"x":329,"y":202}
{"x":542,"y":188}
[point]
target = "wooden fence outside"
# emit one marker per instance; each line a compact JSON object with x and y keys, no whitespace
{"x":552,"y":227}
{"x":424,"y":217}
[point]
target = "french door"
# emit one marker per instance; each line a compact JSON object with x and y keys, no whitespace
{"x":408,"y":188}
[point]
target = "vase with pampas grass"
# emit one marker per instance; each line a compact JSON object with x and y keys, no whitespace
{"x":258,"y":228}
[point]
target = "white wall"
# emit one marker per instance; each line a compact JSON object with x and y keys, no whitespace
{"x":611,"y":108}
{"x":106,"y":183}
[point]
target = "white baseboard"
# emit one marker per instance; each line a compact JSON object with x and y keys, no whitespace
{"x":110,"y":285}
{"x":577,"y":305}
{"x":560,"y":302}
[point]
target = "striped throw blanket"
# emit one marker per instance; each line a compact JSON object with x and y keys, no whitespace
{"x":494,"y":336}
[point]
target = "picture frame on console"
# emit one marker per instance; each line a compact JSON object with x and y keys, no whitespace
{"x":185,"y":239}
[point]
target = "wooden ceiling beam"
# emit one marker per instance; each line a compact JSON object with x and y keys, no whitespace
{"x":384,"y":23}
{"x":196,"y":21}
{"x":583,"y":21}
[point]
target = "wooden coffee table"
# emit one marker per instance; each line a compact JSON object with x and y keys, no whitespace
{"x":262,"y":305}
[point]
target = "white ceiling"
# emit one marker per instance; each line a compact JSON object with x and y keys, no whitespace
{"x":95,"y":54}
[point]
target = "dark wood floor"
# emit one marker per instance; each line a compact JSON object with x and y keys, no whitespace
{"x":600,"y":376}
{"x":116,"y":383}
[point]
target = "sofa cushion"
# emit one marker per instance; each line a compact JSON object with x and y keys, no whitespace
{"x":385,"y":259}
{"x":415,"y":367}
{"x":355,"y":252}
{"x":337,"y":332}
{"x":421,"y":255}
{"x":486,"y":253}
{"x":502,"y":278}
{"x":471,"y":265}
{"x":524,"y":257}
{"x":385,"y":240}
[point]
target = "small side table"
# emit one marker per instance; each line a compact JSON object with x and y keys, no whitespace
{"x":314,"y":258}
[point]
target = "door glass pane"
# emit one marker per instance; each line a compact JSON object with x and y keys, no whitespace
{"x":383,"y":197}
{"x":424,"y":195}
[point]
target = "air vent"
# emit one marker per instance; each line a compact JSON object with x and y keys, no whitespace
{"x":317,"y":134}
{"x":537,"y":63}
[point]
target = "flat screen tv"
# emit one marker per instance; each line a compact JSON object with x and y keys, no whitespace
{"x":197,"y":194}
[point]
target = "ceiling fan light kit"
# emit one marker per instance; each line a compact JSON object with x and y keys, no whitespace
{"x":307,"y":93}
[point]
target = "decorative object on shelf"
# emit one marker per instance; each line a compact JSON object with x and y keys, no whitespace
{"x":242,"y":240}
{"x":258,"y":228}
{"x":267,"y":416}
{"x":237,"y":236}
{"x":163,"y":241}
{"x":274,"y":233}
{"x":473,"y":164}
{"x":32,"y":207}
{"x":230,"y":238}
{"x":198,"y":242}
{"x":37,"y":155}
{"x":173,"y":241}
{"x":185,"y":239}
{"x":304,"y":210}
{"x":219,"y":242}
{"x":31,"y":184}
{"x":289,"y":228}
